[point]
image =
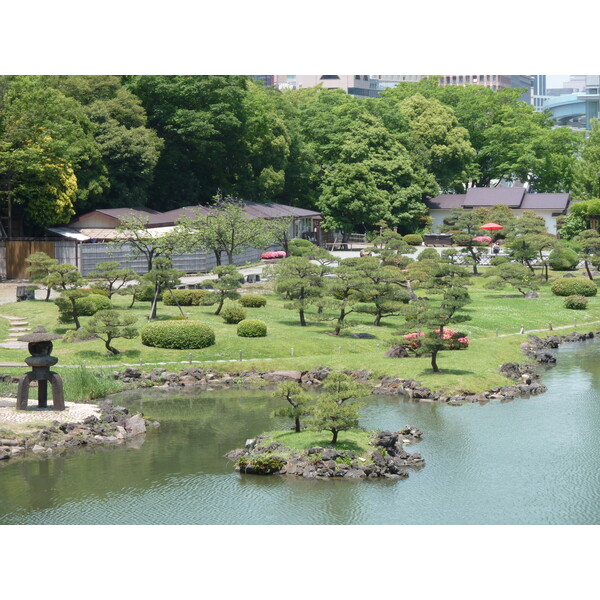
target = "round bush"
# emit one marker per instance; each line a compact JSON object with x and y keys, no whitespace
{"x":576,"y":302}
{"x":574,"y":286}
{"x":252,"y":301}
{"x":180,"y":335}
{"x":185,"y":297}
{"x":233,"y":314}
{"x":499,"y":260}
{"x":90,"y":305}
{"x":144,"y":292}
{"x":252,"y":328}
{"x":298,"y":247}
{"x":563,"y":259}
{"x":413,"y":239}
{"x":429,"y":254}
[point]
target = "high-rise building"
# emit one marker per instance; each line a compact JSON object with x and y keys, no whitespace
{"x":539,"y":92}
{"x":355,"y":85}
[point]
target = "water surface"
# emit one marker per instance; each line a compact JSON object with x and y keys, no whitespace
{"x":529,"y":461}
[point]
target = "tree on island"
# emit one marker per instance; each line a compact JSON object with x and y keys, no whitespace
{"x":108,"y":325}
{"x":332,"y":410}
{"x":299,"y":402}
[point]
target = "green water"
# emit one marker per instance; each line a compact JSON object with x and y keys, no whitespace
{"x":529,"y":461}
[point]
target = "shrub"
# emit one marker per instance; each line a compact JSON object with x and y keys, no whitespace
{"x":144,"y":292}
{"x":90,"y":305}
{"x":499,"y":260}
{"x":273,"y":254}
{"x":299,"y":247}
{"x":181,"y":335}
{"x":574,"y":286}
{"x":429,"y":254}
{"x":413,"y":239}
{"x":233,"y":314}
{"x":97,"y":291}
{"x":252,"y":328}
{"x":576,"y":302}
{"x":187,"y":297}
{"x":253,"y":301}
{"x":563,"y":259}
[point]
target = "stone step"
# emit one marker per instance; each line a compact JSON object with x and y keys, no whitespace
{"x":19,"y":328}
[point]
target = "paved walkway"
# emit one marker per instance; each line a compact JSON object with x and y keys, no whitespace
{"x":73,"y":413}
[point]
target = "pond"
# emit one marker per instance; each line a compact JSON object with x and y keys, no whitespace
{"x":528,"y":461}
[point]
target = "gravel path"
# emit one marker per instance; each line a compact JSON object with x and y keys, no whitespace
{"x":73,"y":413}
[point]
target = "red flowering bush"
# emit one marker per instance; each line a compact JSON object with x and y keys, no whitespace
{"x":273,"y":254}
{"x":456,"y":340}
{"x":484,"y":239}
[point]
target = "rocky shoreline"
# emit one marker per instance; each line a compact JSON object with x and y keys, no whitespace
{"x":388,"y":460}
{"x":114,"y":425}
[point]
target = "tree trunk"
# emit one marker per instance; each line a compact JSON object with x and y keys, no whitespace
{"x":587,"y":268}
{"x":434,"y":365}
{"x":218,"y":257}
{"x":377,"y":321}
{"x":297,"y":422}
{"x":302,"y":319}
{"x":412,"y":294}
{"x":221,"y":302}
{"x":335,"y":435}
{"x":338,"y":326}
{"x":154,"y":303}
{"x":109,"y":347}
{"x":229,"y":257}
{"x":176,"y":302}
{"x":474,"y":257}
{"x":48,"y":294}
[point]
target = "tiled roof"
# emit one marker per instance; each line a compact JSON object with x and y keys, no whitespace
{"x":511,"y":197}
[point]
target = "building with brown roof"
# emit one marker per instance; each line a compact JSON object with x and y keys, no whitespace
{"x":518,"y":199}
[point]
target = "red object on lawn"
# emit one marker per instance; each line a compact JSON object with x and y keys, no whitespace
{"x":491,"y":226}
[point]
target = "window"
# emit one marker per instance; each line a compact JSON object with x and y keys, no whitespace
{"x":468,"y":79}
{"x":447,"y":79}
{"x":487,"y":77}
{"x":358,"y":77}
{"x":453,"y":78}
{"x":365,"y":77}
{"x":330,"y":76}
{"x":494,"y":78}
{"x":460,"y":79}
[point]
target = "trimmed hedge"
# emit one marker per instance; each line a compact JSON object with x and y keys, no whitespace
{"x":429,"y":254}
{"x":252,"y":328}
{"x":298,"y":247}
{"x":188,"y":297}
{"x":252,"y":301}
{"x":496,"y":261}
{"x":413,"y":239}
{"x":574,"y":286}
{"x":576,"y":302}
{"x":233,"y":314}
{"x":563,"y":259}
{"x":179,"y":335}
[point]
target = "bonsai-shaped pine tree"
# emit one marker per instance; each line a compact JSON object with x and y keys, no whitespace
{"x":427,"y":322}
{"x":111,"y":277}
{"x":332,"y":410}
{"x":345,"y":290}
{"x":162,"y":276}
{"x":226,"y":285}
{"x":108,"y":325}
{"x":39,"y":269}
{"x":514,"y":274}
{"x":299,"y":281}
{"x":67,"y":305}
{"x":299,"y":402}
{"x":587,"y":243}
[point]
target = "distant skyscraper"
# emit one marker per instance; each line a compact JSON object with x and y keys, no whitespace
{"x":355,"y":85}
{"x":539,"y":92}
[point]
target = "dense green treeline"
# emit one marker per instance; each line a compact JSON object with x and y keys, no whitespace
{"x":69,"y":144}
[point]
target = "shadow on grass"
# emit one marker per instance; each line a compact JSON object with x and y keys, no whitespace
{"x":95,"y":354}
{"x":446,"y":372}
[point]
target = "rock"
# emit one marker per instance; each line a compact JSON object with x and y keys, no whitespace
{"x":5,"y":452}
{"x":135,"y":425}
{"x":277,"y":376}
{"x":188,"y":380}
{"x":37,"y":449}
{"x":531,"y":294}
{"x":363,"y":336}
{"x":569,"y":275}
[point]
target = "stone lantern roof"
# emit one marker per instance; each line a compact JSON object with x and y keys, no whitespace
{"x":39,"y":335}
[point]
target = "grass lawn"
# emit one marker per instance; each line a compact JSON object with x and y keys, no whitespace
{"x":474,"y":369}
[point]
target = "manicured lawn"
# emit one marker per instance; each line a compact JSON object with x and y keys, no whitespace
{"x":474,"y":369}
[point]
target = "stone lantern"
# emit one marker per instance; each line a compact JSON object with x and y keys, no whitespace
{"x":40,"y":361}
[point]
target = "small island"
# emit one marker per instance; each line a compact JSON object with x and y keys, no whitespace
{"x":362,"y":454}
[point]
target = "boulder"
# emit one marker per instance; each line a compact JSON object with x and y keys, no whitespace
{"x":135,"y":425}
{"x":277,"y":376}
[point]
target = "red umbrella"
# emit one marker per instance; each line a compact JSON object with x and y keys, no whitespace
{"x":491,"y":226}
